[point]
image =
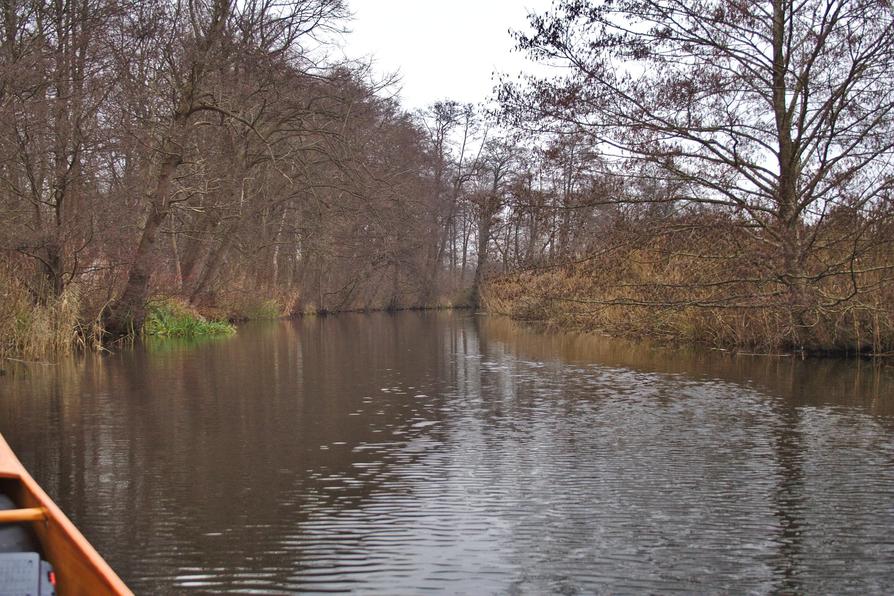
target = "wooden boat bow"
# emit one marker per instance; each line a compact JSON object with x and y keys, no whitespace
{"x":79,"y":569}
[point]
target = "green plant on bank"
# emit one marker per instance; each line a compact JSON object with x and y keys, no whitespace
{"x":169,"y":318}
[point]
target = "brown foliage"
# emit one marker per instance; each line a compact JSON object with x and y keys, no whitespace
{"x":706,"y":281}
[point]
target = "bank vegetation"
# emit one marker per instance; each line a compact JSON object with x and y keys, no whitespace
{"x":713,"y":171}
{"x":750,"y":151}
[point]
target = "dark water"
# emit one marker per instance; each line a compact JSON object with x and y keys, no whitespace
{"x":434,"y":452}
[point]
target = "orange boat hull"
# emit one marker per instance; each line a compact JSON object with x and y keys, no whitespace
{"x":80,"y":570}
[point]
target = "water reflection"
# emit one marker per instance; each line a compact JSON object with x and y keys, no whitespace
{"x":424,"y":452}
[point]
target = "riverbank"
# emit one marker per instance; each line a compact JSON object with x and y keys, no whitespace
{"x":58,"y":327}
{"x":173,"y":318}
{"x":55,"y":327}
{"x":667,"y":305}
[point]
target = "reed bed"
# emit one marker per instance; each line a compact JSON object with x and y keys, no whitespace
{"x":714,"y":286}
{"x":43,"y":330}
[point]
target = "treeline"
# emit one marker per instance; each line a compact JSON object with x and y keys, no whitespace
{"x":712,"y":171}
{"x":212,"y":152}
{"x":751,"y":145}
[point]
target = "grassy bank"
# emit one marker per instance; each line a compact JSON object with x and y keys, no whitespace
{"x":570,"y":299}
{"x":59,"y":327}
{"x":37,"y":331}
{"x":712,"y":289}
{"x":173,"y":318}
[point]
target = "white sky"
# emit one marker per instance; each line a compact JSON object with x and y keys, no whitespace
{"x":441,"y":49}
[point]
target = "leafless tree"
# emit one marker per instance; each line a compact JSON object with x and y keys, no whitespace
{"x":777,"y":112}
{"x":201,"y":44}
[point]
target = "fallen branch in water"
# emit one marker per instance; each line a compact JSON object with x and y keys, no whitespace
{"x":30,"y":361}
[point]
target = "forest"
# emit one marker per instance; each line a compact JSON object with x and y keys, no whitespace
{"x":702,"y":171}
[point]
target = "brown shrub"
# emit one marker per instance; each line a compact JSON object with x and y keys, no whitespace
{"x":712,"y":284}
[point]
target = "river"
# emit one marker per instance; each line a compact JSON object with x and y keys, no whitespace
{"x":448,"y":452}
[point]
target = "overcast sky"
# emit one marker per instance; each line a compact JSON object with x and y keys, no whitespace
{"x":442,"y":49}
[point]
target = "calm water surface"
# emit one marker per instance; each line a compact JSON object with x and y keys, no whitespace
{"x":418,"y":453}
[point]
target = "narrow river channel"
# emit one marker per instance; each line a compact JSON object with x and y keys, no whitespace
{"x":425,"y":452}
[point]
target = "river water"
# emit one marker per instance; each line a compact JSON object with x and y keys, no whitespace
{"x":438,"y":452}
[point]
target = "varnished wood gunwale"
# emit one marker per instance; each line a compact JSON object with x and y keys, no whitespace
{"x":31,"y":514}
{"x":80,"y":570}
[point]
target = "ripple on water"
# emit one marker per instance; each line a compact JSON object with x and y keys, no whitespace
{"x":431,"y":458}
{"x":664,"y":484}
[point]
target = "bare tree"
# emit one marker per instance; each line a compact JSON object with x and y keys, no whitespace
{"x":199,"y":43}
{"x":495,"y":169}
{"x":54,"y":78}
{"x":778,"y":112}
{"x":456,"y":156}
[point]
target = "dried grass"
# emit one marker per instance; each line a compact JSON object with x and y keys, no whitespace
{"x":707,"y":288}
{"x":43,"y":331}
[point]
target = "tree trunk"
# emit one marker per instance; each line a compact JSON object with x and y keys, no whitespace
{"x":175,"y":252}
{"x":211,"y":265}
{"x":276,"y":250}
{"x":787,"y":210}
{"x":484,"y":231}
{"x":126,"y":315}
{"x":486,"y":212}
